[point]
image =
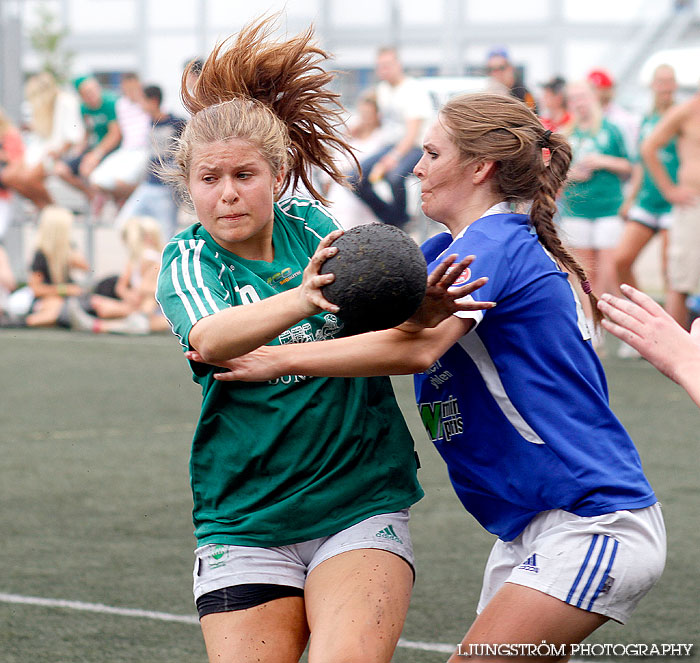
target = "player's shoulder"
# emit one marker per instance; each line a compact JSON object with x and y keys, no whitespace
{"x":305,"y":214}
{"x":190,"y":240}
{"x":435,"y":245}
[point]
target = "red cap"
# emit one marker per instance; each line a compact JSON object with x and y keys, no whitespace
{"x":600,"y":78}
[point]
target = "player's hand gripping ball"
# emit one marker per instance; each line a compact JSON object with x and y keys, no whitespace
{"x":380,"y":278}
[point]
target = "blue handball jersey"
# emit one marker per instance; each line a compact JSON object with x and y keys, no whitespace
{"x":518,"y":407}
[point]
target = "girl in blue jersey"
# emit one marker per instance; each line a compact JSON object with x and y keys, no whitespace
{"x":301,"y":485}
{"x":514,"y":397}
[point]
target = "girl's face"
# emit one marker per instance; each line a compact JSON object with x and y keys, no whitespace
{"x":582,"y":101}
{"x":444,"y":181}
{"x":233,"y":191}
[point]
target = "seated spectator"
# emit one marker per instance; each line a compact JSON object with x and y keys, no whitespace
{"x":405,"y":107}
{"x":7,"y":279}
{"x":153,"y":197}
{"x":555,"y":115}
{"x":504,"y":78}
{"x":12,"y":166}
{"x":100,"y":138}
{"x":364,"y":135}
{"x":55,"y":126}
{"x":133,"y":309}
{"x":119,"y":173}
{"x":50,"y":272}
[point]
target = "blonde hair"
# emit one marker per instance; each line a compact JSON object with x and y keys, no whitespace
{"x":54,"y":241}
{"x":139,"y":233}
{"x":271,"y":93}
{"x":41,"y":91}
{"x":504,"y":130}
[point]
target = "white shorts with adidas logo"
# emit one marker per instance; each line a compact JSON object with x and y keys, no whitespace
{"x":219,"y":566}
{"x":603,"y":564}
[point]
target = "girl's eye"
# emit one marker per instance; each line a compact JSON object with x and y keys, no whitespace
{"x":208,"y":178}
{"x":433,"y":155}
{"x":244,"y":176}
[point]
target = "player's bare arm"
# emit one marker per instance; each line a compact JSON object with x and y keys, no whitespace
{"x":669,"y":126}
{"x":240,"y":329}
{"x":644,"y":325}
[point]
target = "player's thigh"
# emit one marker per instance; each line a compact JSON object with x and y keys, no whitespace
{"x":273,"y":632}
{"x":356,"y":604}
{"x":634,"y":238}
{"x":522,"y":615}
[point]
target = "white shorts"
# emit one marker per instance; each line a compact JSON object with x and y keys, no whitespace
{"x":654,"y":222}
{"x":218,"y":565}
{"x":127,"y":166}
{"x":601,"y":233}
{"x":603,"y":564}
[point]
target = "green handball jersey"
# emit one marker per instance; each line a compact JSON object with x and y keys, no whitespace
{"x":295,"y":458}
{"x":601,"y":195}
{"x":649,"y":197}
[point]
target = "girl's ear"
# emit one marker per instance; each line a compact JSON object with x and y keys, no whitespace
{"x":279,"y":181}
{"x":483,"y":170}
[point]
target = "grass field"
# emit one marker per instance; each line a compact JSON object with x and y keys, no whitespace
{"x":95,"y":508}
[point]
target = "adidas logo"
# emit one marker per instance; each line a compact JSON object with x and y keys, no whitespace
{"x":530,"y":564}
{"x":389,"y":533}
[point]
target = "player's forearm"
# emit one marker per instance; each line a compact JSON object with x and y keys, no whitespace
{"x":655,"y":167}
{"x":635,"y":183}
{"x":689,"y":379}
{"x":388,"y":352}
{"x":240,"y":329}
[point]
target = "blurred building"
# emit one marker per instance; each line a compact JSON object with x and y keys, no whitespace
{"x":443,"y":37}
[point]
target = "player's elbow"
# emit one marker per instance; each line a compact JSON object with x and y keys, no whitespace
{"x":647,"y":150}
{"x":421,"y":359}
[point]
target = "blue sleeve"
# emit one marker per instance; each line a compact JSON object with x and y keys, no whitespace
{"x":434,"y":246}
{"x":490,"y":261}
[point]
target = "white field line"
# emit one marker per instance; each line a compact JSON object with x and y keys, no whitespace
{"x":165,"y":616}
{"x":101,"y":608}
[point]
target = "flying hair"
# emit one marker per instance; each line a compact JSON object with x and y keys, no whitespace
{"x":298,"y":121}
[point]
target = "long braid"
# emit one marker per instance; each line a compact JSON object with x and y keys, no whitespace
{"x":544,"y":207}
{"x":504,"y":130}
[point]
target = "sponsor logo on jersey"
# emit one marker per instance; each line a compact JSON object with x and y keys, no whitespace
{"x":283,"y":277}
{"x":442,"y":419}
{"x":462,"y":278}
{"x":389,"y":533}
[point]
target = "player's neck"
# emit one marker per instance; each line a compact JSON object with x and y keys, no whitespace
{"x":472,"y":210}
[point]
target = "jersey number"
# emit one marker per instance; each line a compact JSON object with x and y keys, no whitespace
{"x":248,"y":294}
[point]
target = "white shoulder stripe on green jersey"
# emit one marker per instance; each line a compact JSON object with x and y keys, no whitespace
{"x":197,"y":261}
{"x":187,"y":258}
{"x":286,"y":204}
{"x":180,"y":293}
{"x":187,"y":277}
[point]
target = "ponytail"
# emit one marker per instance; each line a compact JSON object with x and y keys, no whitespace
{"x":273,"y":93}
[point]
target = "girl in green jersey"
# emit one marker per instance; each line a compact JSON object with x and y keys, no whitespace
{"x":301,"y":485}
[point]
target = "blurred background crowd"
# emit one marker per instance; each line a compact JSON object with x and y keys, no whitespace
{"x":89,"y":107}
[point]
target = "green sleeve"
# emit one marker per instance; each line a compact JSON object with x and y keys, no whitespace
{"x":189,"y":286}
